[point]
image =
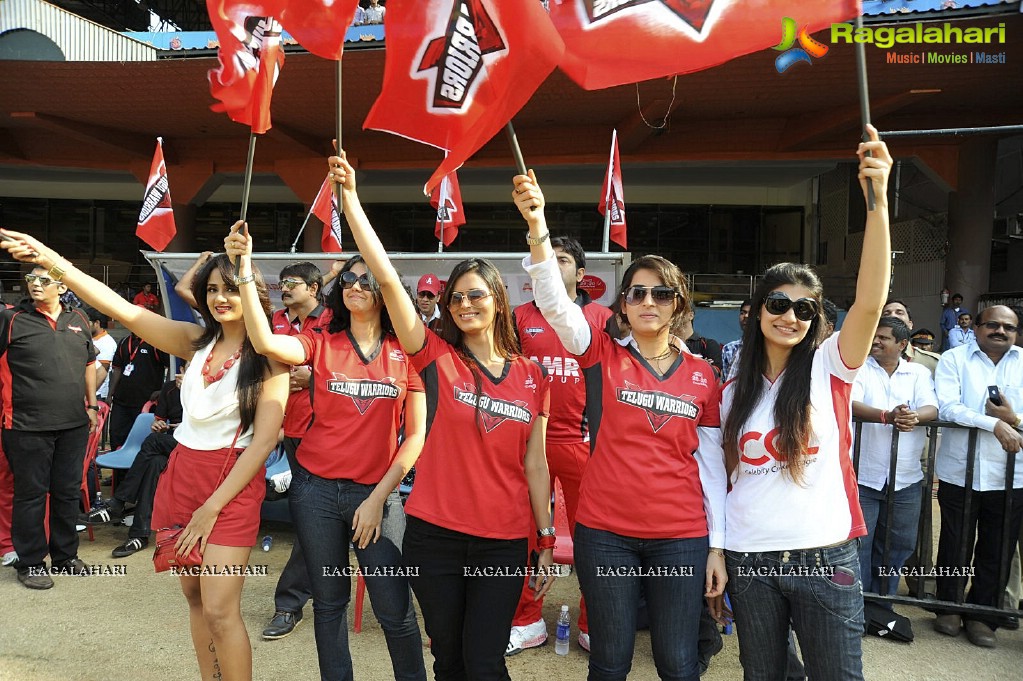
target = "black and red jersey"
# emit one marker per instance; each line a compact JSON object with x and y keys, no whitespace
{"x":148,"y":366}
{"x":567,"y":423}
{"x":42,"y":368}
{"x":643,"y":479}
{"x":357,"y":406}
{"x":471,"y":475}
{"x":298,"y":413}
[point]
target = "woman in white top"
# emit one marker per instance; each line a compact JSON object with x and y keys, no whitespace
{"x":230,"y":396}
{"x":792,"y":513}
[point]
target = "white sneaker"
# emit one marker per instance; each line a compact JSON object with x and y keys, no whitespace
{"x":9,"y":558}
{"x":529,"y":636}
{"x":584,"y":641}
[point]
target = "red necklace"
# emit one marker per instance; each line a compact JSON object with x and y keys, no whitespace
{"x":223,"y":370}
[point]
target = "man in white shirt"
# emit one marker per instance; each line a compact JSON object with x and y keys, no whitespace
{"x":962,"y":380}
{"x":730,"y":351}
{"x":962,"y":334}
{"x":890,"y":394}
{"x":427,"y":291}
{"x":374,"y":14}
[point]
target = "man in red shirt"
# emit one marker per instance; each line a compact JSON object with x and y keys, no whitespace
{"x":146,"y":298}
{"x":568,"y":436}
{"x":301,"y":293}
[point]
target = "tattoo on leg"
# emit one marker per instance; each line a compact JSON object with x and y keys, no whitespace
{"x":216,"y":663}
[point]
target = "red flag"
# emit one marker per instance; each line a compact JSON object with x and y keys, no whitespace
{"x":325,"y":208}
{"x":447,"y":199}
{"x":612,"y":197}
{"x":250,"y":60}
{"x":458,"y":70}
{"x":156,"y":219}
{"x":613,"y":42}
{"x":318,"y":25}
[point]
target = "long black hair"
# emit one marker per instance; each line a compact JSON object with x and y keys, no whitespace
{"x":342,"y":316}
{"x":792,"y":406}
{"x":252,"y":366}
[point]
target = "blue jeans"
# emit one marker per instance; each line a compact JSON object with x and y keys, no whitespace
{"x":904,"y":525}
{"x":817,"y":592}
{"x":611,"y":569}
{"x":323,"y":510}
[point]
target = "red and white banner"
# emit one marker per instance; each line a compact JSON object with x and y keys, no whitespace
{"x":447,"y":199}
{"x":250,"y":61}
{"x":612,"y":196}
{"x":325,"y":208}
{"x":613,"y":42}
{"x":458,"y":70}
{"x":156,"y":219}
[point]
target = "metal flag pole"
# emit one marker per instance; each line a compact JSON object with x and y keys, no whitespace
{"x":861,"y":78}
{"x":605,"y":243}
{"x":248,"y":176}
{"x":337,"y":136}
{"x":294,"y":244}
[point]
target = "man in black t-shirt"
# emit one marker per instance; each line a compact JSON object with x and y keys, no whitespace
{"x":137,"y":372}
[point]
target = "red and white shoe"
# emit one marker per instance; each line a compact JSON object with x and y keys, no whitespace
{"x":527,"y":636}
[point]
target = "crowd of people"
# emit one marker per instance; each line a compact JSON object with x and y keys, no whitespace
{"x":669,"y":449}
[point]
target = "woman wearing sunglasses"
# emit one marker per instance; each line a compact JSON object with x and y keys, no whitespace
{"x":483,"y":469}
{"x":793,"y":512}
{"x":651,"y":501}
{"x":349,"y":463}
{"x":232,"y":403}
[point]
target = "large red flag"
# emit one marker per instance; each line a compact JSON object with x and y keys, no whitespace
{"x":458,"y":70}
{"x":613,"y":42}
{"x":318,"y":25}
{"x":447,"y":199}
{"x":325,"y":208}
{"x":612,"y":196}
{"x":156,"y":219}
{"x":250,"y":60}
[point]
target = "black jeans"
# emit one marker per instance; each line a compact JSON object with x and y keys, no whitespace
{"x":139,"y":484}
{"x":987,"y":512}
{"x":122,"y":418}
{"x":468,"y":588}
{"x":45,"y":462}
{"x":292,"y":592}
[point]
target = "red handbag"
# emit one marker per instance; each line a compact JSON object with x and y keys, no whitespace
{"x":165,"y":557}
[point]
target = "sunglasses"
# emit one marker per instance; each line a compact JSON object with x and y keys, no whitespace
{"x":475,"y":296}
{"x":350,"y":279}
{"x":662,"y":295}
{"x":289,"y":284}
{"x":777,"y":303}
{"x":995,"y":326}
{"x":426,"y":294}
{"x":41,"y":278}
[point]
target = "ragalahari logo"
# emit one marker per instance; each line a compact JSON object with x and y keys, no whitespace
{"x":808,"y":47}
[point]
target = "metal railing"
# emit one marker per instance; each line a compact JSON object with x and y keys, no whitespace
{"x":926,"y":524}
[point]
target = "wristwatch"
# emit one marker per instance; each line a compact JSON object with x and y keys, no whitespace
{"x":546,"y":532}
{"x":537,"y":240}
{"x":94,"y":407}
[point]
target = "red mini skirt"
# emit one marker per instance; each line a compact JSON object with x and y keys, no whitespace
{"x":191,"y":477}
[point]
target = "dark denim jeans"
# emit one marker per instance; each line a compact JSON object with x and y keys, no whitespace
{"x":611,"y":569}
{"x":817,"y":591}
{"x":904,"y":525}
{"x":323,"y":510}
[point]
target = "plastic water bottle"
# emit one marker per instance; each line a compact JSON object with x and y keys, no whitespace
{"x":564,"y":625}
{"x":268,"y":541}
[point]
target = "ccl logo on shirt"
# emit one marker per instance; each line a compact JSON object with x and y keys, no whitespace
{"x":753,"y":442}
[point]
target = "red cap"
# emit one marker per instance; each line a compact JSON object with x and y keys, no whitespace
{"x":430,"y":282}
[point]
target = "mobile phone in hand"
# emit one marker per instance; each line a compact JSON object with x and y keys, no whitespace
{"x":994,"y":395}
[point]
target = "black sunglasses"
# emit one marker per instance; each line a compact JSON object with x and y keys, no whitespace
{"x":777,"y":303}
{"x":662,"y":295}
{"x":350,"y":279}
{"x":474,"y":295}
{"x":995,"y":326}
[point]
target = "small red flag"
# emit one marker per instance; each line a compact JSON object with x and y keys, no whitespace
{"x":250,"y":60}
{"x":612,"y":196}
{"x":318,"y":25}
{"x":156,"y":219}
{"x":325,"y":208}
{"x":458,"y":70}
{"x":614,"y":42}
{"x":447,"y":199}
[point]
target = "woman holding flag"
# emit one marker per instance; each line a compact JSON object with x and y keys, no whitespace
{"x":468,"y":515}
{"x":233,"y":406}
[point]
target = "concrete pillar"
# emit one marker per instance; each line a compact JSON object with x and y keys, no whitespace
{"x":971,"y":210}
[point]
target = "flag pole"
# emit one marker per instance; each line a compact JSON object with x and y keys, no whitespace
{"x":513,"y":140}
{"x":248,"y":176}
{"x":861,"y":78}
{"x":605,"y":244}
{"x":294,"y":244}
{"x":337,"y":135}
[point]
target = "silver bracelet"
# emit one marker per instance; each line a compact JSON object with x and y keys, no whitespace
{"x":244,"y":280}
{"x":537,"y":240}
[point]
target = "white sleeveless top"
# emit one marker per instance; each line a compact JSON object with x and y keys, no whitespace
{"x":210,"y":415}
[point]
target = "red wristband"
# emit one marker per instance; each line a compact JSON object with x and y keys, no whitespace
{"x":884,"y":417}
{"x":545,"y":542}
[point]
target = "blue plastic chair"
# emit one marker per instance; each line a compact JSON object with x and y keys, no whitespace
{"x":121,"y":459}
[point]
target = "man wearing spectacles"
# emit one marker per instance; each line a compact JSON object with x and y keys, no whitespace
{"x":47,"y":361}
{"x":427,"y":291}
{"x":979,"y":385}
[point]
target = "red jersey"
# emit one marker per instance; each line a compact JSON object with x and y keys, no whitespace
{"x":471,"y":476}
{"x":298,"y":413}
{"x":643,"y":479}
{"x":358,"y":404}
{"x":567,"y":424}
{"x":146,"y":300}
